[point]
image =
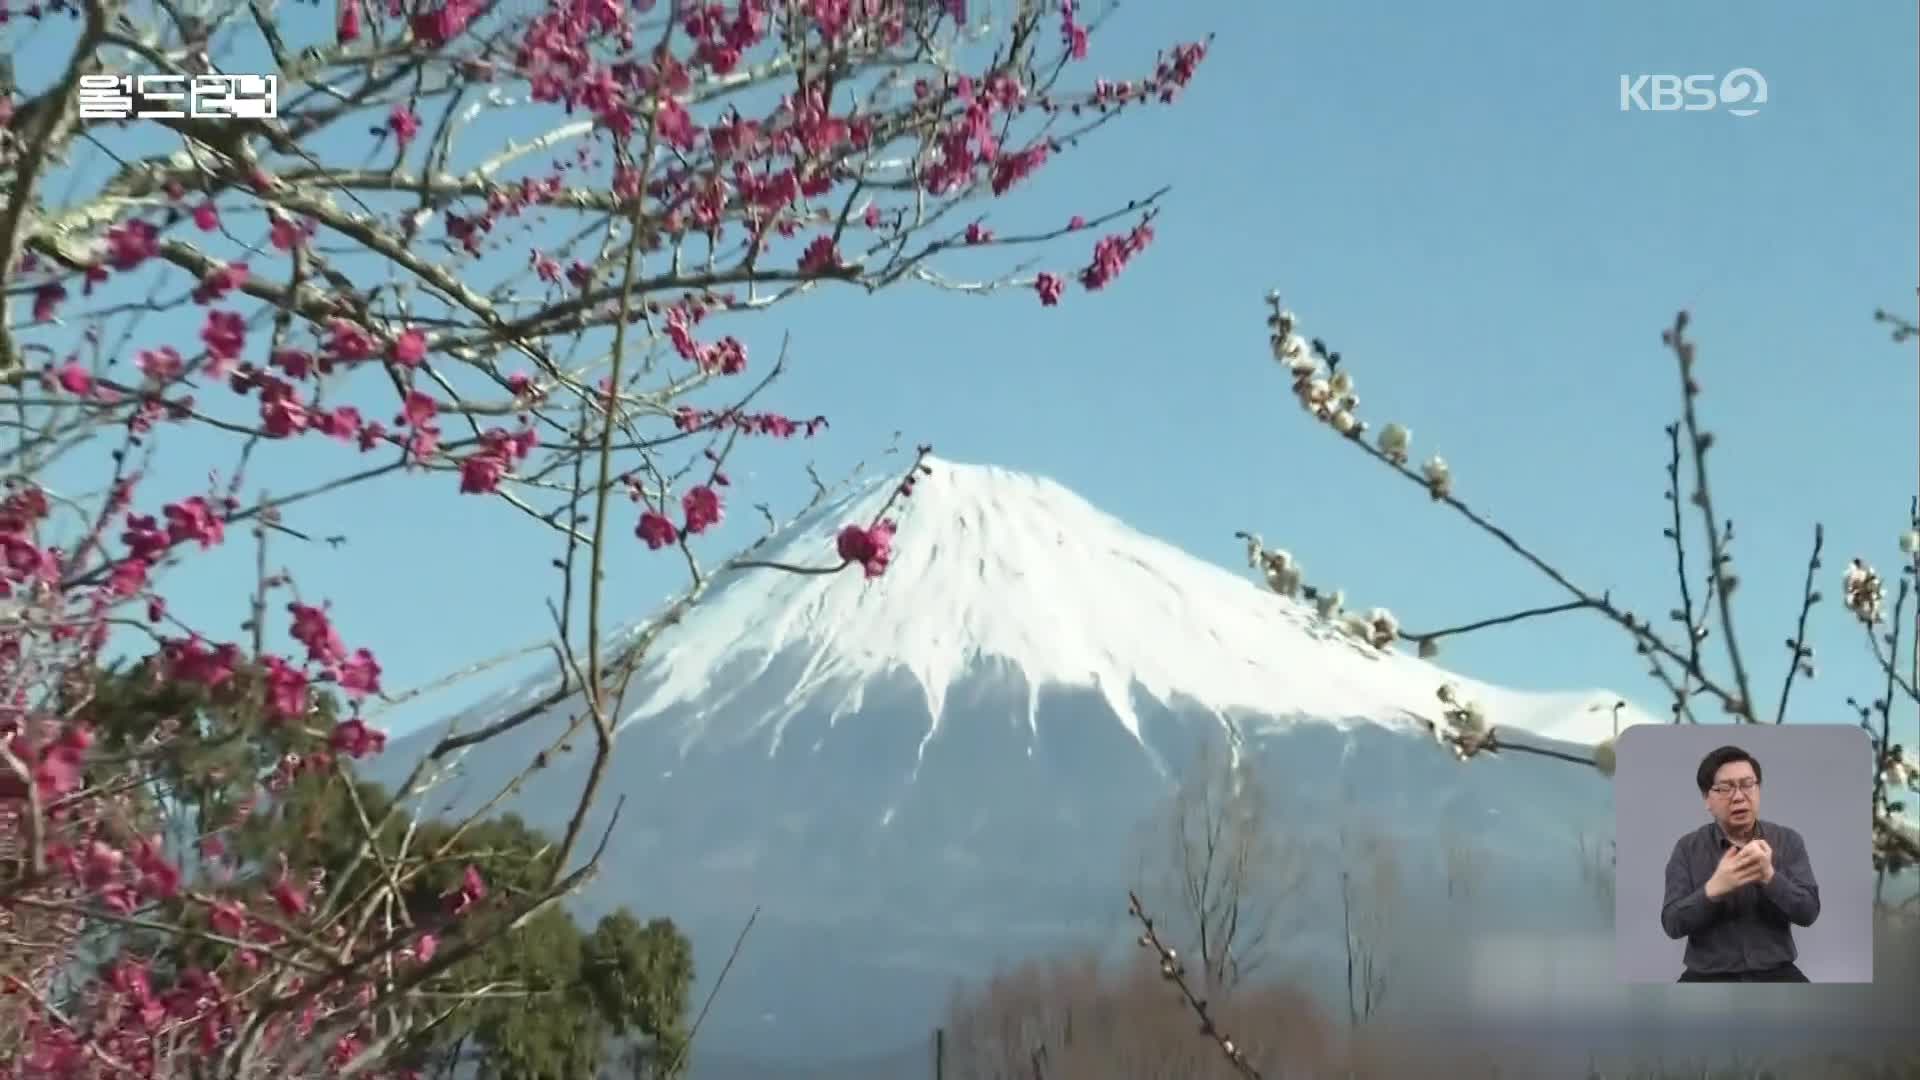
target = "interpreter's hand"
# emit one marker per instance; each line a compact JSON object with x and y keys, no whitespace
{"x":1762,"y":852}
{"x":1738,"y":867}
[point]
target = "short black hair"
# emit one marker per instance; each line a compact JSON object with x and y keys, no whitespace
{"x":1726,"y":755}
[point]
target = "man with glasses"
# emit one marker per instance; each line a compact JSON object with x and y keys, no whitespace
{"x":1738,"y":885}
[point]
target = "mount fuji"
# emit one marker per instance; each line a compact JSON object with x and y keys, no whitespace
{"x":917,"y":776}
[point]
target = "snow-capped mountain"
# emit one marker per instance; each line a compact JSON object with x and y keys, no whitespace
{"x":916,"y":775}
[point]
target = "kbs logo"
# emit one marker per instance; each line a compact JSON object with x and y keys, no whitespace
{"x":1741,"y":92}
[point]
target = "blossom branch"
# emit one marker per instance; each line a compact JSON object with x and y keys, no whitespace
{"x":1326,"y":392}
{"x":1686,"y":614}
{"x":1719,"y":536}
{"x":387,"y":307}
{"x":1330,"y":398}
{"x":1174,"y":971}
{"x":1800,"y":654}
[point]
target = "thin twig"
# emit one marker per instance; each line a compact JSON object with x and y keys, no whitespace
{"x":1498,"y":620}
{"x":693,"y":1032}
{"x":1676,"y":532}
{"x":1718,"y":538}
{"x":1797,"y":645}
{"x":1174,"y":972}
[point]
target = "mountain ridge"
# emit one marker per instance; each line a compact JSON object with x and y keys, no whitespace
{"x":990,"y":563}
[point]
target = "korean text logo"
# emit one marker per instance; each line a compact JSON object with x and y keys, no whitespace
{"x":179,"y":97}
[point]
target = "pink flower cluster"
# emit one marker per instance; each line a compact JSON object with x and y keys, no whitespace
{"x":723,"y":34}
{"x":482,"y":472}
{"x":83,"y":854}
{"x":724,"y":357}
{"x":701,"y":507}
{"x":1110,"y":256}
{"x":287,"y":696}
{"x":870,"y":546}
{"x":689,"y":419}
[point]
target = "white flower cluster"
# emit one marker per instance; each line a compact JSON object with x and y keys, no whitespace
{"x":1466,"y":731}
{"x":1377,"y":628}
{"x":1328,"y":395}
{"x":1283,"y":575}
{"x":1910,"y":542}
{"x":1439,"y":477}
{"x":1865,"y":593}
{"x":1899,"y":774}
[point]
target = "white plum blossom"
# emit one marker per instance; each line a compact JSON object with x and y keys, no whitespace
{"x":1328,"y":604}
{"x":1605,"y":758}
{"x":1256,"y":550}
{"x":1467,"y":744}
{"x":1470,"y":734}
{"x":1910,"y":542}
{"x":1281,"y":320}
{"x":1439,"y":478}
{"x":1393,"y":443}
{"x":1377,"y":628}
{"x":1382,"y":628}
{"x":1282,"y":573}
{"x":1341,"y":384}
{"x":1865,"y":593}
{"x":1287,"y":347}
{"x":1898,"y":773}
{"x":1466,"y":731}
{"x":1343,"y":422}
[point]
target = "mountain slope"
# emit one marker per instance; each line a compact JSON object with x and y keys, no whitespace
{"x":916,"y":775}
{"x":999,"y":566}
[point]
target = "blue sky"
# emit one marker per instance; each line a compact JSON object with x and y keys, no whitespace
{"x":1453,"y":198}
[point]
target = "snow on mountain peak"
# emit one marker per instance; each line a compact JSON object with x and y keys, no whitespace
{"x":992,"y":564}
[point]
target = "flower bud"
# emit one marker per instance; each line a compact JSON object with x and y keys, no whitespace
{"x":1393,"y":443}
{"x":1605,"y":758}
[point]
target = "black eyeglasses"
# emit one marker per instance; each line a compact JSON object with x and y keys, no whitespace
{"x":1724,"y":790}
